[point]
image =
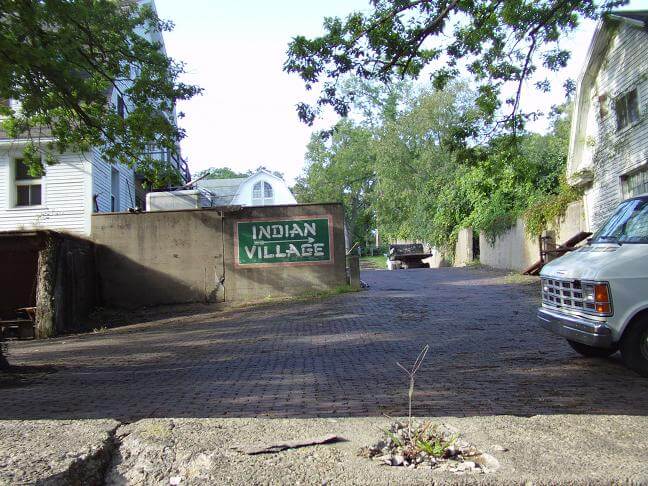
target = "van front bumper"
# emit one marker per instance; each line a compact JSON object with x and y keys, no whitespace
{"x":579,"y":329}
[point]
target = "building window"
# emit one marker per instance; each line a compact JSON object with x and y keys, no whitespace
{"x":114,"y":190}
{"x":262,"y":194}
{"x":28,"y":187}
{"x":627,"y":109}
{"x":635,"y":184}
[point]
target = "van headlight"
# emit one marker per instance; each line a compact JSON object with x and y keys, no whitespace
{"x":598,"y":298}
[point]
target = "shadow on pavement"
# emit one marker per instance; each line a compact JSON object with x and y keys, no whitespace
{"x":332,"y":358}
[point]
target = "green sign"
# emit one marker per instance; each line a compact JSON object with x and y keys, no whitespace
{"x":290,"y":241}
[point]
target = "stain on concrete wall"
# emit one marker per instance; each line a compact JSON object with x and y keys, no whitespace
{"x":164,"y":257}
{"x":170,"y":257}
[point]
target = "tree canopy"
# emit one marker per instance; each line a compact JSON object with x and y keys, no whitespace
{"x":496,"y":42}
{"x":61,"y":59}
{"x":227,"y":173}
{"x":402,"y":173}
{"x":221,"y":173}
{"x":341,"y":169}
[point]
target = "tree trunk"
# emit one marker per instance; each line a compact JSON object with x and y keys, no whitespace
{"x":45,"y":301}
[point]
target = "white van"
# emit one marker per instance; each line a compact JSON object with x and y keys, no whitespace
{"x":597,"y":297}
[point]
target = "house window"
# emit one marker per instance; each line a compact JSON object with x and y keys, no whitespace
{"x":635,"y":184}
{"x":28,"y":187}
{"x":262,"y":194}
{"x":627,"y":109}
{"x":114,"y":190}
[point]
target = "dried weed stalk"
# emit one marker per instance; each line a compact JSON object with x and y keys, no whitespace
{"x":411,"y":373}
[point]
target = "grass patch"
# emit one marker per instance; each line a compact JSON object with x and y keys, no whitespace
{"x":323,"y":294}
{"x":377,"y":261}
{"x":476,"y":264}
{"x":303,"y":297}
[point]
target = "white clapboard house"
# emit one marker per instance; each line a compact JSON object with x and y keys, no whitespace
{"x":260,"y":189}
{"x":71,"y":190}
{"x":608,"y":152}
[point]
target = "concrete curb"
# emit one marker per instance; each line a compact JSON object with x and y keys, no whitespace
{"x":552,"y":449}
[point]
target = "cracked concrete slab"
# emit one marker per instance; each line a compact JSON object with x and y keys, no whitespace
{"x":574,"y":449}
{"x":548,"y":449}
{"x":55,"y":452}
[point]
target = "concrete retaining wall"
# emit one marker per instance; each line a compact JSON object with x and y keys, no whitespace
{"x":165,"y":257}
{"x":244,"y":284}
{"x":464,"y":248}
{"x":183,"y":256}
{"x":514,"y":250}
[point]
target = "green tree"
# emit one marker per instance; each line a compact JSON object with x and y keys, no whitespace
{"x":340,"y":168}
{"x":422,"y":183}
{"x":417,"y":163}
{"x":61,"y":58}
{"x":220,"y":173}
{"x":498,"y":42}
{"x":227,"y":173}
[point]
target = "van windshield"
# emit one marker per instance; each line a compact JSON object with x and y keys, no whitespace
{"x":629,"y":224}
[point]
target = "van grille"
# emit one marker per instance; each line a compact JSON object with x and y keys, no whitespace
{"x":566,"y":294}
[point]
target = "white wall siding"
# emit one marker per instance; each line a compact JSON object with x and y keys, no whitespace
{"x":65,"y":193}
{"x":101,"y":180}
{"x":616,"y":153}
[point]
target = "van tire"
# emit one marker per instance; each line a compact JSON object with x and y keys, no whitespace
{"x":591,"y":351}
{"x":634,"y":347}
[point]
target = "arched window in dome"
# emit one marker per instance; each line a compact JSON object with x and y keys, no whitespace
{"x":262,"y":194}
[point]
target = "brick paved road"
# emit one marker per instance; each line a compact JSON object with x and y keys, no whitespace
{"x":332,"y":358}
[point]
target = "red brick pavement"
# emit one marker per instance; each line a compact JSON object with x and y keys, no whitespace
{"x":332,"y":358}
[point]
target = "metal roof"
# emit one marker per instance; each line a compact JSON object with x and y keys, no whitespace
{"x":223,"y":189}
{"x":638,"y":15}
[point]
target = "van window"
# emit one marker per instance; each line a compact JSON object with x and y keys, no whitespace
{"x":629,"y":224}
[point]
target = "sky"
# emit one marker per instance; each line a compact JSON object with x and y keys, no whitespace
{"x":235,"y":51}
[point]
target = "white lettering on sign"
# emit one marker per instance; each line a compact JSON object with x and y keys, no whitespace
{"x":292,"y":251}
{"x":307,"y":249}
{"x":304,"y":250}
{"x":275,"y":231}
{"x":280,"y":240}
{"x":267,"y":254}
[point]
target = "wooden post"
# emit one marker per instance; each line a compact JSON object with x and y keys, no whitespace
{"x":353,"y":266}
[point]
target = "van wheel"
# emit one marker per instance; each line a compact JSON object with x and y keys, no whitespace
{"x":634,"y":347}
{"x":591,"y":351}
